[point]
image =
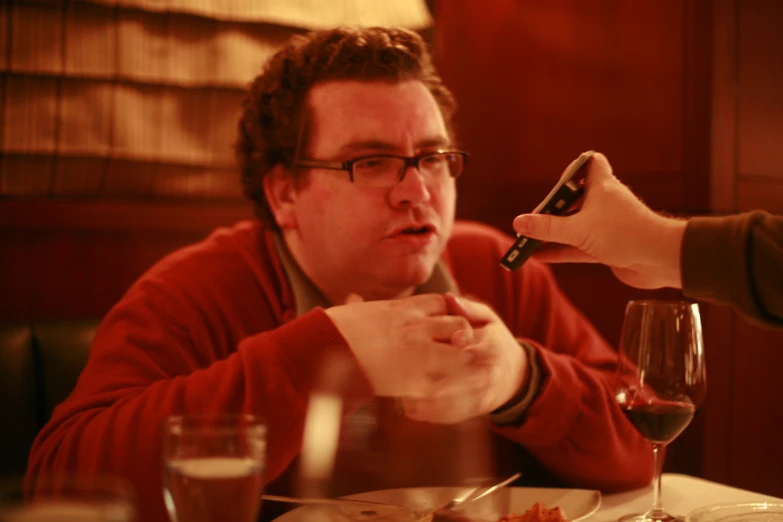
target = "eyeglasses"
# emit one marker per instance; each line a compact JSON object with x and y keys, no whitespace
{"x":386,"y":170}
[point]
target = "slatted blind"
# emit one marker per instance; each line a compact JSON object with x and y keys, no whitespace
{"x":140,"y":98}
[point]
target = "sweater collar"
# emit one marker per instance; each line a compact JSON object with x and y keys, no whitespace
{"x":307,"y":296}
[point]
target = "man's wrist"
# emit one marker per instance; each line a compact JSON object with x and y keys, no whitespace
{"x":512,"y":412}
{"x":671,"y":235}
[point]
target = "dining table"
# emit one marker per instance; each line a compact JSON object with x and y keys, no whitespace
{"x":680,"y":494}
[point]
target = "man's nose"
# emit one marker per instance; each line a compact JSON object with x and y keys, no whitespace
{"x":411,"y":189}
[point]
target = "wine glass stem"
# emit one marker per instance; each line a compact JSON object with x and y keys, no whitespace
{"x":657,"y":508}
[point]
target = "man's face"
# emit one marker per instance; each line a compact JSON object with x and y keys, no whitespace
{"x":379,"y":242}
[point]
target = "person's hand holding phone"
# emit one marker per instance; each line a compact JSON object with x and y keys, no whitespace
{"x":612,"y":227}
{"x":560,"y":201}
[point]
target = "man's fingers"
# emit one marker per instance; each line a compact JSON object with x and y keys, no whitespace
{"x":429,"y":304}
{"x":554,"y":253}
{"x":450,"y":400}
{"x":444,"y":327}
{"x":477,"y":313}
{"x":462,"y":338}
{"x":454,"y":305}
{"x":441,"y":359}
{"x":598,"y":170}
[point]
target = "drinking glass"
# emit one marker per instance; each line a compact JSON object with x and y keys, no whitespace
{"x":67,"y":497}
{"x":213,"y":467}
{"x":349,"y":448}
{"x":660,"y":378}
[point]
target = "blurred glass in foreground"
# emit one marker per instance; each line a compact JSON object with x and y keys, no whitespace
{"x":213,"y":467}
{"x":67,"y":498}
{"x":352,"y":444}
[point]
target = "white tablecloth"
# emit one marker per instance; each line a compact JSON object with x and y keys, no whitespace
{"x":680,"y":494}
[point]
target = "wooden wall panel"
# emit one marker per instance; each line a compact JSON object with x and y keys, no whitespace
{"x":757,"y":417}
{"x":68,"y":275}
{"x":538,"y":83}
{"x":122,"y":216}
{"x":718,"y":323}
{"x":62,"y":260}
{"x":764,"y":193}
{"x":760,"y":80}
{"x":744,"y":420}
{"x":754,"y":414}
{"x":759,"y":57}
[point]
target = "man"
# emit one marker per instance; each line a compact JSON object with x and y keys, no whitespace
{"x":347,"y":151}
{"x":736,"y":260}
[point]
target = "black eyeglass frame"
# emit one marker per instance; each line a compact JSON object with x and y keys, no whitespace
{"x":409,"y":161}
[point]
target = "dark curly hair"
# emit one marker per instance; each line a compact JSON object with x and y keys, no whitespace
{"x":274,"y":112}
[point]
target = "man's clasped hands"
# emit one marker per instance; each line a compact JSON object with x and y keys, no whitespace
{"x":448,"y":358}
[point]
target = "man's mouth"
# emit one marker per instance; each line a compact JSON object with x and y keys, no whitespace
{"x":416,"y":231}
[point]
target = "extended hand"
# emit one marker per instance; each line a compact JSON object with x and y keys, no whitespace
{"x":613,"y":227}
{"x":497,"y":369}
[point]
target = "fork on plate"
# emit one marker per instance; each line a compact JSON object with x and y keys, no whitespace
{"x":472,"y":495}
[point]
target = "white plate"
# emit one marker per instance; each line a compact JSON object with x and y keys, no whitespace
{"x":749,"y":512}
{"x":577,"y":504}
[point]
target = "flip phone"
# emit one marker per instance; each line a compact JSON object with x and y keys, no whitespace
{"x":559,"y":201}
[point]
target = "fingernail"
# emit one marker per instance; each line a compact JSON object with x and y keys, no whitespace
{"x":522,"y":224}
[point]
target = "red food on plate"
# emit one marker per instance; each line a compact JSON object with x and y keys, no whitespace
{"x":537,"y":513}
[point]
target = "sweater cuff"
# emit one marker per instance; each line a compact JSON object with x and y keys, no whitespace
{"x":514,"y":413}
{"x":706,"y":244}
{"x":558,"y":405}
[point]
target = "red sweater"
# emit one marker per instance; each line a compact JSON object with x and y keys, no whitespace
{"x":213,"y":328}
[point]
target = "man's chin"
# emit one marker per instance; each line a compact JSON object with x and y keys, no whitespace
{"x":410,"y":275}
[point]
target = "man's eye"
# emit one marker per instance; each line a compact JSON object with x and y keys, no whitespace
{"x":435,"y":159}
{"x":372,"y":163}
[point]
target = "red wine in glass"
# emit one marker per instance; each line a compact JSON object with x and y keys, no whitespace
{"x":660,"y":422}
{"x":660,"y":378}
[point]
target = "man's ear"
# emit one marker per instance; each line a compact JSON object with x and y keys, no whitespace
{"x":280,"y":192}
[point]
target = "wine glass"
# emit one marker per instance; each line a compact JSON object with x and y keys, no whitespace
{"x":660,"y":378}
{"x":213,"y":467}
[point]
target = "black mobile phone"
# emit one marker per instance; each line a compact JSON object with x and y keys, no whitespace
{"x":559,"y":201}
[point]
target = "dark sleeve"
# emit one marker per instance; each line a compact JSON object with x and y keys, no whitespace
{"x":737,"y":260}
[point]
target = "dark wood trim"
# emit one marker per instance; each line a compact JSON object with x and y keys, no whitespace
{"x":719,"y":328}
{"x":119,"y":216}
{"x":723,"y":153}
{"x":720,"y":322}
{"x":697,"y":79}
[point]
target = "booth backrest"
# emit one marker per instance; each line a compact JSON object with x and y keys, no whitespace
{"x":39,"y":366}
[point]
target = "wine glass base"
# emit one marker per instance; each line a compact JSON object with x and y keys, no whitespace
{"x":650,"y":516}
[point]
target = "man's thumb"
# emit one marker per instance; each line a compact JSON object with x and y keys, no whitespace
{"x":543,"y":227}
